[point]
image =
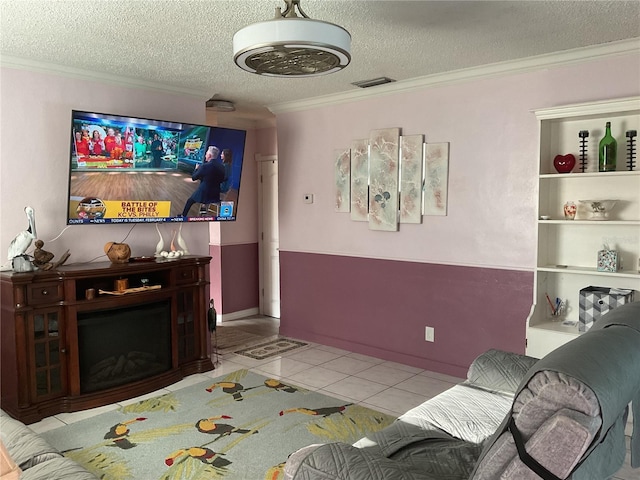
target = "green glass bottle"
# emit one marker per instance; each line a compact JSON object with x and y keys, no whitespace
{"x":608,"y":151}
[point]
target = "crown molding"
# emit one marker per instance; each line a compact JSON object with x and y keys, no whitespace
{"x":566,"y":57}
{"x":230,"y":120}
{"x":44,"y":67}
{"x":246,"y":124}
{"x":523,"y":65}
{"x":630,"y":104}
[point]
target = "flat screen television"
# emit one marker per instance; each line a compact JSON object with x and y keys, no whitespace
{"x":132,"y":170}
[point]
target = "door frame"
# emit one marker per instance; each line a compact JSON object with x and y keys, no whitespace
{"x":260,"y":159}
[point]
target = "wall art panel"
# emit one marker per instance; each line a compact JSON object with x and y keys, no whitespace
{"x":383,"y":179}
{"x":411,"y":178}
{"x":343,"y":180}
{"x":360,"y":180}
{"x":436,"y":173}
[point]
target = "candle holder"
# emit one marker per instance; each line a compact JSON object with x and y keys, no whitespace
{"x":631,"y":149}
{"x":583,"y":134}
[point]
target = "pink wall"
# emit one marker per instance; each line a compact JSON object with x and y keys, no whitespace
{"x":493,"y":137}
{"x":266,"y":141}
{"x":470,"y":273}
{"x":235,"y":287}
{"x":34,"y":156}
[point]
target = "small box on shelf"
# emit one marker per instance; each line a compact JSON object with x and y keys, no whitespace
{"x":596,"y":301}
{"x":608,"y":260}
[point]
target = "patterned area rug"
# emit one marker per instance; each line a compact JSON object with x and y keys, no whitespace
{"x":238,"y":427}
{"x":270,"y":349}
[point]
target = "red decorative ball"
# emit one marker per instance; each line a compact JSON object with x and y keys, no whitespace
{"x":564,"y":163}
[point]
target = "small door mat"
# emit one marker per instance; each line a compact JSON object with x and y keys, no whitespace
{"x":229,"y":339}
{"x":270,"y":349}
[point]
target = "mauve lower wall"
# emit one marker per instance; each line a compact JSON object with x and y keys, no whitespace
{"x":381,"y":307}
{"x":235,"y":269}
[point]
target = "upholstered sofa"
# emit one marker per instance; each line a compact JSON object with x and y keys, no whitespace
{"x":28,"y":456}
{"x":514,"y":418}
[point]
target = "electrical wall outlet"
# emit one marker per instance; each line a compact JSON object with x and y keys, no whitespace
{"x":429,"y":334}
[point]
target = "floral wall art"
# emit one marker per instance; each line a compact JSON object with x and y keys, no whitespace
{"x":389,"y":179}
{"x":360,"y":180}
{"x":384,"y":162}
{"x":411,"y":178}
{"x":436,"y":173}
{"x":342,"y":189}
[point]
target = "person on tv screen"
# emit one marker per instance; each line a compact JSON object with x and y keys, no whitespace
{"x":96,"y":145}
{"x":82,"y":145}
{"x":157,"y":150}
{"x":211,"y":175}
{"x":110,"y":141}
{"x":129,"y":135}
{"x":140,"y":149}
{"x":227,"y":160}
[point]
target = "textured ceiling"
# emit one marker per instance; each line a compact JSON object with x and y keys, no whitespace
{"x":186,"y":45}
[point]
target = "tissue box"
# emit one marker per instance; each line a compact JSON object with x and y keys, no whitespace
{"x":608,"y":261}
{"x":596,"y":301}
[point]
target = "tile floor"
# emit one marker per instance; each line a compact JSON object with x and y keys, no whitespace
{"x":384,"y":386}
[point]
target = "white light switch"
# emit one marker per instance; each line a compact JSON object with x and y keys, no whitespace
{"x":308,"y":198}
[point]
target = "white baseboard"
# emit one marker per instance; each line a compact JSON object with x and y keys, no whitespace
{"x":236,"y":315}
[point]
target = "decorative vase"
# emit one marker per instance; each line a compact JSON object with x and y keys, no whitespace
{"x":598,"y":209}
{"x":570,"y":210}
{"x":607,"y":151}
{"x":564,"y":163}
{"x":117,"y":252}
{"x":173,"y":241}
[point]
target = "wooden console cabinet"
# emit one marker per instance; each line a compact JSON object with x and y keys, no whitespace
{"x":40,"y":371}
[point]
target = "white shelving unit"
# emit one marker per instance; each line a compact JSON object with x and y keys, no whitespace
{"x":567,"y":249}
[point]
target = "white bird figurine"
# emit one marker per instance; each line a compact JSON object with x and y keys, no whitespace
{"x":160,"y":245}
{"x":181,"y":242}
{"x":23,"y":240}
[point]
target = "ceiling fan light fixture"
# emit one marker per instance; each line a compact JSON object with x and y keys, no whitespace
{"x":292,"y":46}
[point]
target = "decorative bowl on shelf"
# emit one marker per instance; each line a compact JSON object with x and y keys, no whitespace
{"x":598,"y":209}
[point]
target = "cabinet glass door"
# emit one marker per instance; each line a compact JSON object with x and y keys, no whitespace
{"x":47,"y":367}
{"x":186,"y":325}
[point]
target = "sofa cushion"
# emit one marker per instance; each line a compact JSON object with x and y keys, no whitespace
{"x":557,"y":445}
{"x":431,"y":459}
{"x":26,"y":447}
{"x":499,"y":371}
{"x":58,"y":468}
{"x":468,"y":413}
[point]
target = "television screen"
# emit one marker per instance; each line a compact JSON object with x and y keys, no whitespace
{"x":124,"y":170}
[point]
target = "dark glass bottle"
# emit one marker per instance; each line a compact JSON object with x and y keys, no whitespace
{"x":212,"y":317}
{"x":607,"y":151}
